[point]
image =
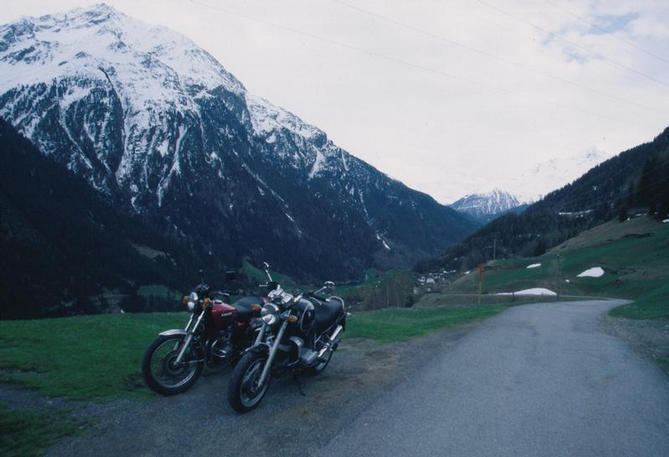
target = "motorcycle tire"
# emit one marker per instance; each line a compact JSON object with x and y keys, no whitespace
{"x":160,"y":386}
{"x":241,"y":396}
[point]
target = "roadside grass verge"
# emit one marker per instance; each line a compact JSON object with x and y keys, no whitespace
{"x":399,"y":324}
{"x":651,"y":305}
{"x":471,"y":299}
{"x":83,"y":357}
{"x":27,"y":432}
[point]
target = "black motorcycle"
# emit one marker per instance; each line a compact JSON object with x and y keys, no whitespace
{"x":298,"y":333}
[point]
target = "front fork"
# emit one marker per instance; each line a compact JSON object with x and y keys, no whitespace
{"x":272,"y":353}
{"x":189,"y":337}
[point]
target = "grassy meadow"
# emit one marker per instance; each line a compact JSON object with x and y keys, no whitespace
{"x":634,"y":255}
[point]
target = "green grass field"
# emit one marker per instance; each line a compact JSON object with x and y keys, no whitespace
{"x":633,"y":254}
{"x":398,"y":324}
{"x":82,"y":357}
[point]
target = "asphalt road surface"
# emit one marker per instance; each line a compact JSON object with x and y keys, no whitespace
{"x":536,"y":380}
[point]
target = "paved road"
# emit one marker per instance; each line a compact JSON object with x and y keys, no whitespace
{"x":536,"y":380}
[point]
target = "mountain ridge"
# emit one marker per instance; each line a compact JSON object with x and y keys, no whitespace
{"x":158,"y":125}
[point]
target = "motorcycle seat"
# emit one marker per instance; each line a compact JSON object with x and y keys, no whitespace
{"x":327,"y":313}
{"x":243,"y":307}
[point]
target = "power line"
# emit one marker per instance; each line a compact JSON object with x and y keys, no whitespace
{"x":490,"y":55}
{"x":396,"y":60}
{"x":552,"y":34}
{"x":351,"y":47}
{"x":603,"y":31}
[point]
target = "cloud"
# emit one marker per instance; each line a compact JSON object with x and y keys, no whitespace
{"x":449,"y":97}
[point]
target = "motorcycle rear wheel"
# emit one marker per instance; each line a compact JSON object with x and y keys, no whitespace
{"x":160,"y":372}
{"x":244,"y":393}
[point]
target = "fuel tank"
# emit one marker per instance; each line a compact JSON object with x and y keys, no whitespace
{"x":222,"y":314}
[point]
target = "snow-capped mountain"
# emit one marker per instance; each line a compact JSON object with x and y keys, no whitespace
{"x":157,"y":124}
{"x":487,"y":206}
{"x":532,"y":184}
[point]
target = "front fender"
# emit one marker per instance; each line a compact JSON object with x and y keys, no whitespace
{"x":174,"y":331}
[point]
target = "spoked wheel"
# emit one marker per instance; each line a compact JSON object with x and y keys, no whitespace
{"x":161,"y":372}
{"x":244,"y":390}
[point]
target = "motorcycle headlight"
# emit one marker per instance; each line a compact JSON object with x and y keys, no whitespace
{"x":270,"y":314}
{"x":190,"y":301}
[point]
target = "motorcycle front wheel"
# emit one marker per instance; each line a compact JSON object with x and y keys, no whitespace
{"x":162,"y":374}
{"x":244,"y":390}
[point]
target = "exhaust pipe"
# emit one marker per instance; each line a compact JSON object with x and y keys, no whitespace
{"x":333,"y":338}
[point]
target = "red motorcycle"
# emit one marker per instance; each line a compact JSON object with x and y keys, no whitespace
{"x":216,"y":334}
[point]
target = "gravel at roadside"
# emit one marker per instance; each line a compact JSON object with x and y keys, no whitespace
{"x":649,"y":337}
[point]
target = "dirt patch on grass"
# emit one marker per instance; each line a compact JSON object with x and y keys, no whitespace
{"x":649,"y":337}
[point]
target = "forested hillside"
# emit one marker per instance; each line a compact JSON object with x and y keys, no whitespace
{"x":65,"y":249}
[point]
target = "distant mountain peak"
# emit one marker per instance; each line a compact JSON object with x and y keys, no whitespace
{"x":488,"y":205}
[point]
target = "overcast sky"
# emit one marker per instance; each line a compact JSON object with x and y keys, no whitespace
{"x":449,"y":96}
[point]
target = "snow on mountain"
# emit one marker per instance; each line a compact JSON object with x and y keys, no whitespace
{"x":486,"y":206}
{"x":532,"y":184}
{"x":158,"y":125}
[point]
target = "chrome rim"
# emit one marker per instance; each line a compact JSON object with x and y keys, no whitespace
{"x":251,"y":392}
{"x":164,"y":369}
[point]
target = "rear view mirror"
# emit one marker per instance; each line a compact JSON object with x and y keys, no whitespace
{"x":329,"y":284}
{"x":265,"y":266}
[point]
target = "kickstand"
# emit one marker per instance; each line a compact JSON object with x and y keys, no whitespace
{"x":299,"y":384}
